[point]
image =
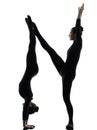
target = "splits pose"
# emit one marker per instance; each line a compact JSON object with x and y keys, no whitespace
{"x":67,"y":70}
{"x":31,"y":71}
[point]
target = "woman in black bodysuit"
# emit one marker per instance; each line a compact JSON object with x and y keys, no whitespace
{"x":66,"y":69}
{"x":31,"y":71}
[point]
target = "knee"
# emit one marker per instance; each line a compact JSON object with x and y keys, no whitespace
{"x":66,"y":98}
{"x":34,"y":71}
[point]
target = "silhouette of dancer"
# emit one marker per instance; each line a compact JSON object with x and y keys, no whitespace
{"x":31,"y":71}
{"x":67,"y":69}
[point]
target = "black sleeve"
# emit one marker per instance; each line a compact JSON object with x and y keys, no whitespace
{"x":78,"y":29}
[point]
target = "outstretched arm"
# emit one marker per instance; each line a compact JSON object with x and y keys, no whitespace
{"x":80,"y":11}
{"x":78,"y":22}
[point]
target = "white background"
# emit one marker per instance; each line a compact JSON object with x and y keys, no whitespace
{"x":54,"y":19}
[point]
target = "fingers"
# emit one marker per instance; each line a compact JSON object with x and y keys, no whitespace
{"x":80,"y":10}
{"x":82,"y":7}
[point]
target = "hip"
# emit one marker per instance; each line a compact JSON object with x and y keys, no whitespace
{"x":68,"y":72}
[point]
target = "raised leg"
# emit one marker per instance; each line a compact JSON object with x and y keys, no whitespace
{"x":32,"y":65}
{"x":30,"y":72}
{"x":56,"y":59}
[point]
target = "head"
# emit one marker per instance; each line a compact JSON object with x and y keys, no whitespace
{"x":72,"y":34}
{"x":33,"y":108}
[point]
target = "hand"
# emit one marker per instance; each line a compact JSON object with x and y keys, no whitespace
{"x":80,"y":10}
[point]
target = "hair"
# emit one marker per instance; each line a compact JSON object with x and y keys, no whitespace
{"x":74,"y":29}
{"x":32,"y":109}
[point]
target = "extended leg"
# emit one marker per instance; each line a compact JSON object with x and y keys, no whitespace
{"x":56,"y":59}
{"x":32,"y":65}
{"x":30,"y":72}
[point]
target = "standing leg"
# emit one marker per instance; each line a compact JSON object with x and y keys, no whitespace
{"x":66,"y":96}
{"x":61,"y":68}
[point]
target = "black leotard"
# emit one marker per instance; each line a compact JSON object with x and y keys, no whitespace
{"x":66,"y":69}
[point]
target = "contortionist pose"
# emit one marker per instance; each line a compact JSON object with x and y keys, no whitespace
{"x":31,"y":70}
{"x":67,"y":70}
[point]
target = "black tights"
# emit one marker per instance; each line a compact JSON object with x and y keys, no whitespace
{"x":67,"y":83}
{"x":61,"y":68}
{"x":31,"y":71}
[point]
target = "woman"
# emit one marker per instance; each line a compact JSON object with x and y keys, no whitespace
{"x":31,"y":71}
{"x":66,"y":69}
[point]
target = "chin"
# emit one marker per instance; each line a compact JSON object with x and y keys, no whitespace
{"x":71,"y":39}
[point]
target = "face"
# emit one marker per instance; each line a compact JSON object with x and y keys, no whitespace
{"x":72,"y":35}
